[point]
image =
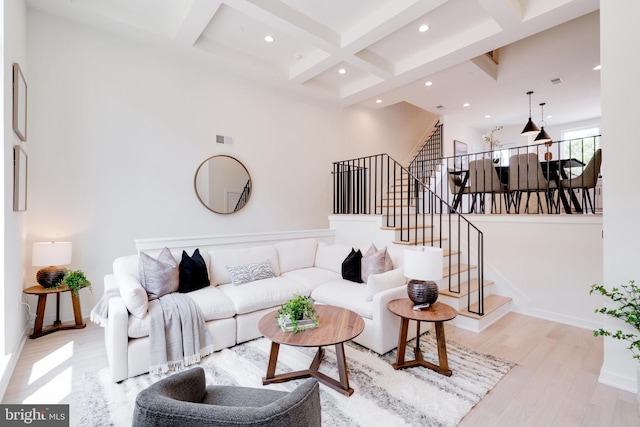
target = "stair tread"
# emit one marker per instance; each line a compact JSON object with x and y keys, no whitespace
{"x":464,"y":289}
{"x":411,"y":227}
{"x":491,"y":304}
{"x":454,"y":268}
{"x":398,"y":242}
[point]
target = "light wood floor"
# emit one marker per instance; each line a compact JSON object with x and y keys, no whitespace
{"x":555,"y":382}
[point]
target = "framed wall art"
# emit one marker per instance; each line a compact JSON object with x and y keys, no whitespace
{"x":461,"y":160}
{"x":19,"y":179}
{"x":19,"y":103}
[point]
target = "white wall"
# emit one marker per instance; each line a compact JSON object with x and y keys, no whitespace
{"x":620,"y":91}
{"x":455,"y":130}
{"x":118,"y":131}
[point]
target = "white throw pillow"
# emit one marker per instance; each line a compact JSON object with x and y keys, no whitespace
{"x":330,"y":257}
{"x":133,"y":295}
{"x":383,"y":281}
{"x":296,"y":254}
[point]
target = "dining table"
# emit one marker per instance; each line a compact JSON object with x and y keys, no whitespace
{"x":553,"y":170}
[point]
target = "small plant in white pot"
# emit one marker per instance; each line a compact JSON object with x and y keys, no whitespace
{"x":297,"y":314}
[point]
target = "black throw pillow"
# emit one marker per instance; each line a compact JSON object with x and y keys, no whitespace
{"x":352,"y":267}
{"x":193,"y":272}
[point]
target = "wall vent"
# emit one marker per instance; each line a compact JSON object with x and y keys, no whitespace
{"x":221,"y":139}
{"x":440,"y":107}
{"x":557,"y":80}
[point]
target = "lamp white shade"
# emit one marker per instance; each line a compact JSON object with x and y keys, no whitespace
{"x":423,"y":263}
{"x":51,"y":253}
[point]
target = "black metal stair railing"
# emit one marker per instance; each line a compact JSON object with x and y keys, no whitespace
{"x":379,"y":185}
{"x":244,"y":197}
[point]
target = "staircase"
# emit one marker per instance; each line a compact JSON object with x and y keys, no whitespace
{"x":416,"y":216}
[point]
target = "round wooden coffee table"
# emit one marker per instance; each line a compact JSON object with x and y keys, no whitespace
{"x":337,"y":325}
{"x":437,"y":313}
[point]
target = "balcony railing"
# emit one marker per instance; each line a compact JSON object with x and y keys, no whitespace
{"x":553,"y":178}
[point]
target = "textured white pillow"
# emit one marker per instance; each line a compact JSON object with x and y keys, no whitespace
{"x":221,"y":258}
{"x":375,"y":261}
{"x":159,"y":276}
{"x":246,"y":273}
{"x":133,"y":295}
{"x":383,"y":281}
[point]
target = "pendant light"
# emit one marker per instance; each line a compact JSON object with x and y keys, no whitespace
{"x":543,"y":136}
{"x":530,"y":128}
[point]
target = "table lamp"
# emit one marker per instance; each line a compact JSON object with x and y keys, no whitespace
{"x":423,"y":266}
{"x":52,"y":255}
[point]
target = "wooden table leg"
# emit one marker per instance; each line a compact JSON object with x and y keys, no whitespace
{"x":341,"y":363}
{"x":442,"y":348}
{"x":402,"y":343}
{"x":37,"y":327}
{"x":77,"y":311}
{"x":273,"y":360}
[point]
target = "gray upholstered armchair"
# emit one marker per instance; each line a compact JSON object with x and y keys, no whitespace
{"x":183,"y":399}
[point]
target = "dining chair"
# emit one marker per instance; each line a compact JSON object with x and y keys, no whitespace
{"x":526,"y":176}
{"x":455,"y":186}
{"x":586,"y":180}
{"x":484,"y":179}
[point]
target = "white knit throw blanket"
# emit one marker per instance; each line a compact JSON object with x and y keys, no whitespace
{"x":178,"y":336}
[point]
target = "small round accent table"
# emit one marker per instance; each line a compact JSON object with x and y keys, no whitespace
{"x":337,"y":325}
{"x":437,"y":313}
{"x":42,"y":293}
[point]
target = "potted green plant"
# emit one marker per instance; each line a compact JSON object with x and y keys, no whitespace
{"x":297,"y":314}
{"x":627,"y":298}
{"x":75,"y":280}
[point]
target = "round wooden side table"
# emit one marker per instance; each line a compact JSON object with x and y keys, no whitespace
{"x":42,"y":294}
{"x":437,"y":313}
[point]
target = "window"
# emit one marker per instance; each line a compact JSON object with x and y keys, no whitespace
{"x":580,"y":144}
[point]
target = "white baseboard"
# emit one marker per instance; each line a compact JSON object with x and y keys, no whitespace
{"x":627,"y":383}
{"x":8,"y":364}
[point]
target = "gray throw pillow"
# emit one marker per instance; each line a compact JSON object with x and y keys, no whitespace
{"x":246,"y":273}
{"x":375,"y":261}
{"x":158,"y":276}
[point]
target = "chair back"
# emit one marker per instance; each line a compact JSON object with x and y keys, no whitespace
{"x":525,"y":173}
{"x":454,"y":182}
{"x":589,"y":177}
{"x":483,"y":177}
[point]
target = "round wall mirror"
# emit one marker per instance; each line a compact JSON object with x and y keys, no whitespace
{"x":223,"y":184}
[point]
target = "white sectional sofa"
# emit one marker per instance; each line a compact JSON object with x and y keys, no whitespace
{"x":231,"y":312}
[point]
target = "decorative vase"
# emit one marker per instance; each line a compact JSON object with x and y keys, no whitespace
{"x":422,"y":292}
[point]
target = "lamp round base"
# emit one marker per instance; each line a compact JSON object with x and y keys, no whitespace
{"x":422,"y":292}
{"x":50,"y":277}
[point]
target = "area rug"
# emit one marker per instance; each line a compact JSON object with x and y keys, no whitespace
{"x":383,"y":396}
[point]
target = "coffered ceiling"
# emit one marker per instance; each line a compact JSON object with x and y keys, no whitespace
{"x":378,"y":45}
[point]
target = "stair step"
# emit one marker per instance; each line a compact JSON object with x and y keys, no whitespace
{"x":427,"y":242}
{"x":492,"y":303}
{"x":410,"y":227}
{"x":464,"y":288}
{"x":457,"y":268}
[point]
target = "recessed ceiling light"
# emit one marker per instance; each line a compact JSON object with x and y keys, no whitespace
{"x":378,"y":101}
{"x":269,"y":38}
{"x":342,"y":71}
{"x":428,"y":83}
{"x":549,"y":116}
{"x":423,"y":28}
{"x":298,"y":56}
{"x":488,"y":116}
{"x":597,"y":67}
{"x":466,"y":104}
